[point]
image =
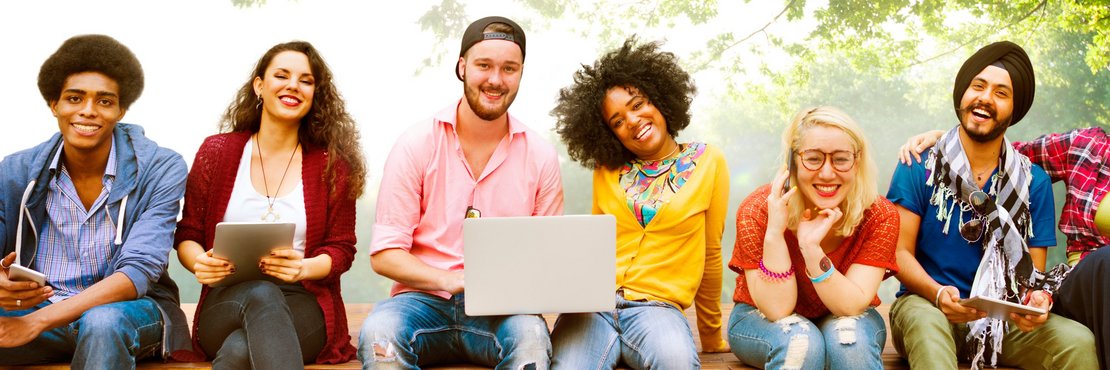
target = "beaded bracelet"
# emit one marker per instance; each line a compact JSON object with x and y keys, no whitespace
{"x":772,"y":276}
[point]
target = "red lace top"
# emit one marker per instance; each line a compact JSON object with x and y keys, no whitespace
{"x":872,"y":243}
{"x":330,"y":230}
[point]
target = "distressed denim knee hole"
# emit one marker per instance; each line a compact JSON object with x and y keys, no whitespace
{"x":796,"y":352}
{"x":792,"y":320}
{"x":798,"y":347}
{"x":384,"y":351}
{"x":846,"y":329}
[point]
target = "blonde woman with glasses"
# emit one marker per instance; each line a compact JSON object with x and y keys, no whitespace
{"x":811,"y":250}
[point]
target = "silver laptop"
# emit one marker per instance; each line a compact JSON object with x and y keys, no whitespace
{"x":541,"y":264}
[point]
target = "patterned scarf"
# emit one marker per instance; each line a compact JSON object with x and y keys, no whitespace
{"x":648,"y":185}
{"x":1006,"y":263}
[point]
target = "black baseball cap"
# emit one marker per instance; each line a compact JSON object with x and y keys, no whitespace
{"x":474,"y":35}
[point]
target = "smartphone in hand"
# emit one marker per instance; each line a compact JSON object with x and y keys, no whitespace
{"x":20,"y":273}
{"x":790,"y":172}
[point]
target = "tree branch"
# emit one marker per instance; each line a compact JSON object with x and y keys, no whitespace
{"x":980,"y":37}
{"x":749,"y":36}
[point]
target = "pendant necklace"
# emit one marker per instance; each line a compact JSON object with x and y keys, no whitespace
{"x":270,"y":215}
{"x":676,"y":147}
{"x":656,"y":167}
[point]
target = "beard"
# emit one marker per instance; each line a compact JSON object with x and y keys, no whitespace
{"x":474,"y":100}
{"x":998,"y":130}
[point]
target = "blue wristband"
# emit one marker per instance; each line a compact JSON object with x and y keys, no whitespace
{"x":823,"y":277}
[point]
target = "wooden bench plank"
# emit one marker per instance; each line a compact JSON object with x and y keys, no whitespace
{"x":356,"y":314}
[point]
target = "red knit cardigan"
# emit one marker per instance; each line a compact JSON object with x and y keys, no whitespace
{"x":330,"y":226}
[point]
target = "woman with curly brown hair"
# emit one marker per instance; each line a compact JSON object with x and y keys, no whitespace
{"x":290,"y":151}
{"x":620,"y":117}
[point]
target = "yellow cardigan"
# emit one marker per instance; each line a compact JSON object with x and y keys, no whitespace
{"x":676,"y":258}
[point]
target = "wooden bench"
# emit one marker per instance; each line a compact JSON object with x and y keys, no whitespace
{"x":356,"y":313}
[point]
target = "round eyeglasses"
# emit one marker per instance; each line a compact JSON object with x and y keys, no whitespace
{"x":972,"y":230}
{"x":813,"y":159}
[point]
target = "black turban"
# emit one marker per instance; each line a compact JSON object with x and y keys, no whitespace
{"x":1015,"y":61}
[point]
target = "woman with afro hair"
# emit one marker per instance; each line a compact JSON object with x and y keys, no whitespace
{"x":621,"y":117}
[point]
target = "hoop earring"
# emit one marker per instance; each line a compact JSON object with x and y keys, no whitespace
{"x":259,"y":105}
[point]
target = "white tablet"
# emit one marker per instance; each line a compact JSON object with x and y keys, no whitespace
{"x":245,"y":243}
{"x":1000,"y":309}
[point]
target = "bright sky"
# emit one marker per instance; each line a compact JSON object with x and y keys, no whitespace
{"x":196,"y":54}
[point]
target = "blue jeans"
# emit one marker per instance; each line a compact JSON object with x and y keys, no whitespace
{"x":794,"y":342}
{"x":644,"y":334}
{"x":418,"y":329}
{"x":110,"y":336}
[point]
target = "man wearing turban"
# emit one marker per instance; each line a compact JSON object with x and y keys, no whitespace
{"x":976,"y":220}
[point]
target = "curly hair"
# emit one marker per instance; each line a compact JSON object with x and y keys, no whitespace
{"x":92,"y":53}
{"x":327,"y":123}
{"x":656,"y":74}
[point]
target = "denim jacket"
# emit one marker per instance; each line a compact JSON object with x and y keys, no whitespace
{"x":150,"y":180}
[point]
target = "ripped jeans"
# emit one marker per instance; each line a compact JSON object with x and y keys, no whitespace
{"x":417,"y":329}
{"x":795,"y":342}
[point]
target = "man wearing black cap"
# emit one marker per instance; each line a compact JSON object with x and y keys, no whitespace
{"x":976,"y":219}
{"x":472,"y":159}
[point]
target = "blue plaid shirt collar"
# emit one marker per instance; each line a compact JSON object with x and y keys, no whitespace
{"x":109,"y":170}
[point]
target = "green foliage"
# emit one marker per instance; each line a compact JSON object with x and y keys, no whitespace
{"x":548,"y":8}
{"x":898,"y":40}
{"x":248,"y":3}
{"x":446,"y":21}
{"x":612,"y":21}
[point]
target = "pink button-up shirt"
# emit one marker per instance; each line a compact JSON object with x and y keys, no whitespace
{"x":427,"y":187}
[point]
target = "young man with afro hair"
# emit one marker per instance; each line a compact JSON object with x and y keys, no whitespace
{"x":92,"y":209}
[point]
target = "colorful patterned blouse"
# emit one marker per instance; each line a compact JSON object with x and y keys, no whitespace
{"x":648,"y":185}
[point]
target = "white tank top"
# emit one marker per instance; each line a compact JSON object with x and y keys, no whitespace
{"x":247,"y":205}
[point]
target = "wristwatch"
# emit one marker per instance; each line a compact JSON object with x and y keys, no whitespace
{"x":826,"y":264}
